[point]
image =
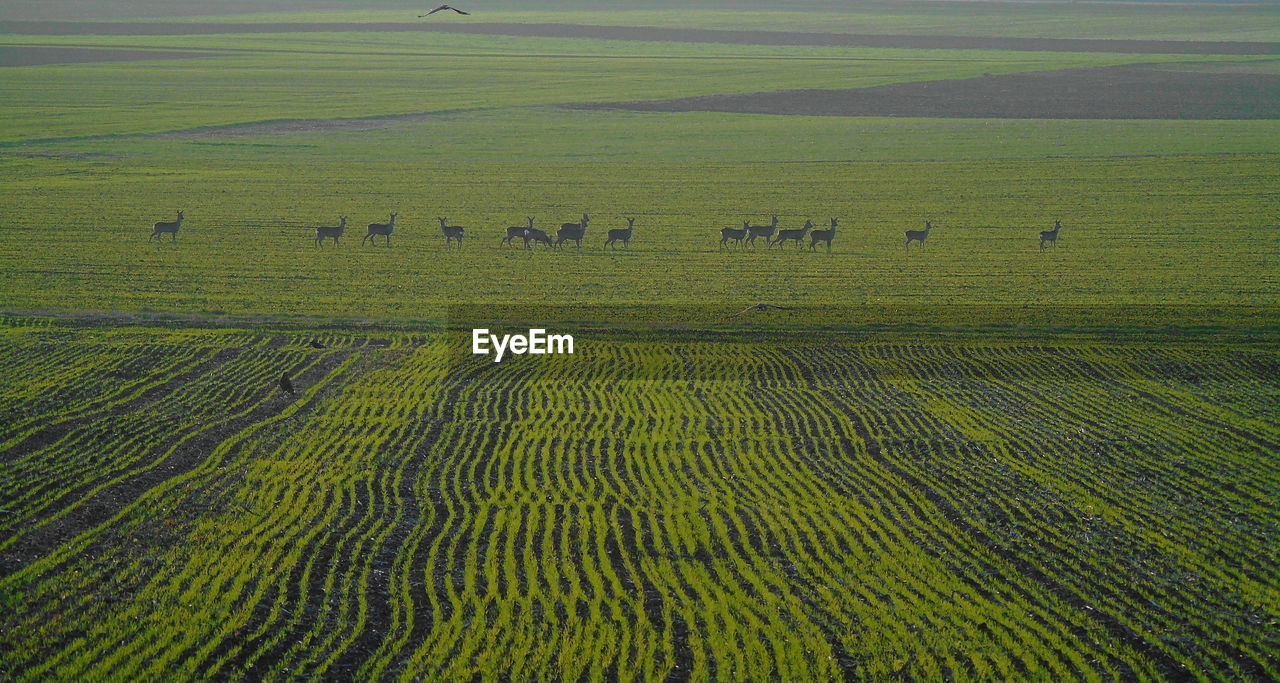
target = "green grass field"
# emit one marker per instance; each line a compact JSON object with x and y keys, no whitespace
{"x":969,"y":461}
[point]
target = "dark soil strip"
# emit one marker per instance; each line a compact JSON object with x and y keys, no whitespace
{"x":1123,"y":92}
{"x":13,"y":55}
{"x":660,"y":34}
{"x":108,"y":502}
{"x":423,"y":575}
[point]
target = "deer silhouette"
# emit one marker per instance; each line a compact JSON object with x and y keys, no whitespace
{"x":796,"y":234}
{"x":515,"y":231}
{"x":734,"y":234}
{"x":765,"y":231}
{"x":621,"y":234}
{"x":572,"y":231}
{"x":919,"y":235}
{"x":823,"y":236}
{"x":532,"y":235}
{"x":383,"y":229}
{"x":333,"y":232}
{"x":1050,"y":236}
{"x":451,"y":232}
{"x":159,"y":230}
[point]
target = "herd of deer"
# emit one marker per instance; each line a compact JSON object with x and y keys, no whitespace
{"x":747,"y":234}
{"x":574,"y":232}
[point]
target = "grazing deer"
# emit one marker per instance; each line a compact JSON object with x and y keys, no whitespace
{"x":376,"y":229}
{"x":765,"y":231}
{"x":734,"y":234}
{"x":823,"y":236}
{"x":532,"y":235}
{"x":159,"y":229}
{"x":333,"y":232}
{"x":919,"y":235}
{"x":796,"y":234}
{"x":451,"y":232}
{"x":1050,"y":236}
{"x":515,"y":231}
{"x":572,"y":231}
{"x":621,"y":234}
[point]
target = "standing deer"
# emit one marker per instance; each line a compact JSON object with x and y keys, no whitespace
{"x":823,"y":236}
{"x":1050,"y":236}
{"x":796,"y":234}
{"x":572,"y":231}
{"x":919,"y":235}
{"x":734,"y":234}
{"x":621,"y":234}
{"x":532,"y":235}
{"x":333,"y":232}
{"x":765,"y":231}
{"x":376,"y":229}
{"x":159,"y":229}
{"x":451,"y":232}
{"x":515,"y":231}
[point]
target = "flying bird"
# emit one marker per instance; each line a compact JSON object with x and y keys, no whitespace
{"x":759,"y":307}
{"x":442,"y":7}
{"x":285,"y":385}
{"x":315,"y":344}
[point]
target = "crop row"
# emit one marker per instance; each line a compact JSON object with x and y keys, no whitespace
{"x":931,"y":509}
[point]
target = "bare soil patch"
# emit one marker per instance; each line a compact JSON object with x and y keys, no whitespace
{"x":1093,"y":93}
{"x":15,"y":55}
{"x":660,"y":34}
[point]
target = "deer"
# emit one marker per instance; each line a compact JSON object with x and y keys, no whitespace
{"x":572,"y":231}
{"x":919,"y":235}
{"x":515,"y":231}
{"x":159,"y":229}
{"x":796,"y":234}
{"x":621,"y":234}
{"x":333,"y":232}
{"x":1050,"y":236}
{"x":376,"y":229}
{"x":532,"y":235}
{"x":734,"y":234}
{"x":765,"y":231}
{"x":823,"y":236}
{"x":451,"y":232}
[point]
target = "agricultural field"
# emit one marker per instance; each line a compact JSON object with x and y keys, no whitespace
{"x":797,"y":509}
{"x":982,"y":457}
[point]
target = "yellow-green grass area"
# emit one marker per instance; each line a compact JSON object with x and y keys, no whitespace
{"x":344,"y":75}
{"x":801,"y":509}
{"x":1173,"y":231}
{"x":1118,"y":21}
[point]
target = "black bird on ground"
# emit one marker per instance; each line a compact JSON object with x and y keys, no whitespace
{"x":442,"y":7}
{"x":285,"y":385}
{"x":759,"y":307}
{"x":315,"y":344}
